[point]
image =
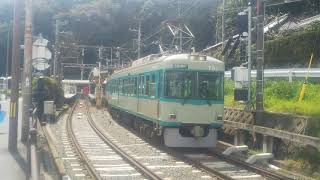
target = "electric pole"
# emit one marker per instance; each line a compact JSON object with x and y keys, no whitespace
{"x":15,"y":68}
{"x":8,"y":49}
{"x":139,"y":37}
{"x":222,"y":24}
{"x":180,"y":31}
{"x":139,"y":40}
{"x":56,"y":49}
{"x":82,"y":59}
{"x":27,"y":72}
{"x":260,"y":59}
{"x":249,"y":54}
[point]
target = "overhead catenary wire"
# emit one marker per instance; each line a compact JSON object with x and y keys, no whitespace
{"x":160,"y":27}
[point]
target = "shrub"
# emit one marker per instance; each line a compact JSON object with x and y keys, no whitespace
{"x":53,"y":90}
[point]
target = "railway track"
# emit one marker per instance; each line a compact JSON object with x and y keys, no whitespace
{"x":102,"y":155}
{"x":213,"y":163}
{"x":102,"y":159}
{"x":259,"y":170}
{"x":229,"y":168}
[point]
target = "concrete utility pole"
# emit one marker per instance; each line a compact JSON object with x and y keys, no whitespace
{"x":139,"y":37}
{"x":180,"y":27}
{"x":27,"y":72}
{"x":249,"y":54}
{"x":56,"y":49}
{"x":260,"y":59}
{"x":222,"y":24}
{"x":98,"y":89}
{"x":15,"y":68}
{"x":139,"y":40}
{"x":8,"y":49}
{"x":82,"y":59}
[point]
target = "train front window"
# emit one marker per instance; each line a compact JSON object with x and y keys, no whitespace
{"x":194,"y":85}
{"x":210,"y":86}
{"x":180,"y":84}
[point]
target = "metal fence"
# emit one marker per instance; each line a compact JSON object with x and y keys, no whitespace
{"x":285,"y":73}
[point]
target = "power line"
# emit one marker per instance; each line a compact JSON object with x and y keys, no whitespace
{"x":160,"y":27}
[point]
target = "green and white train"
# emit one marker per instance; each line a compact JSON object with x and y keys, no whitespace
{"x":179,"y":97}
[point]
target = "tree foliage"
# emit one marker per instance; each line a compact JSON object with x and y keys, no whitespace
{"x":52,"y":90}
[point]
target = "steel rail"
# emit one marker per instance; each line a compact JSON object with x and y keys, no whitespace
{"x":198,"y":165}
{"x":141,"y":168}
{"x":76,"y":144}
{"x":213,"y":172}
{"x":252,"y":168}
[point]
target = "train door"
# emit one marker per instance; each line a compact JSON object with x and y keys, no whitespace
{"x":140,"y":92}
{"x":136,"y":92}
{"x":159,"y":79}
{"x":119,"y":89}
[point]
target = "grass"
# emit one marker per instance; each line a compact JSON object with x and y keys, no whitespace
{"x":282,"y":96}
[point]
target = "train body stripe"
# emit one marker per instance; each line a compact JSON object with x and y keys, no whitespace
{"x":214,"y":125}
{"x":176,"y":100}
{"x":191,"y":101}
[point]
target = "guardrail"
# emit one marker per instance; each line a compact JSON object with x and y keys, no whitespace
{"x":298,"y":138}
{"x":284,"y":73}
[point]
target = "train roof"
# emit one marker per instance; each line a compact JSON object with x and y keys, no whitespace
{"x":170,"y":59}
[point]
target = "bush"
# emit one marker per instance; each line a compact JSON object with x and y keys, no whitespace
{"x":282,"y":90}
{"x":53,"y":90}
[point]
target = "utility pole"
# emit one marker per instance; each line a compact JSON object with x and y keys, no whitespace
{"x":98,"y":89}
{"x":56,"y":49}
{"x":260,"y":59}
{"x":111,"y":57}
{"x":82,"y":59}
{"x":180,"y":27}
{"x":8,"y":49}
{"x":27,"y":72}
{"x":15,"y":68}
{"x":139,"y":37}
{"x":222,"y":24}
{"x":249,"y":55}
{"x":139,"y":40}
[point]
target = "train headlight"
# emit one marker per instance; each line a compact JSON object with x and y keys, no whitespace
{"x":172,"y":116}
{"x":197,"y":131}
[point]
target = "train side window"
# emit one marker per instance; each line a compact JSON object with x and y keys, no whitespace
{"x":141,"y":85}
{"x":160,"y":84}
{"x":131,"y":86}
{"x":118,"y":86}
{"x":135,"y":86}
{"x":147,"y":85}
{"x":122,"y":87}
{"x":152,"y":86}
{"x":128,"y":86}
